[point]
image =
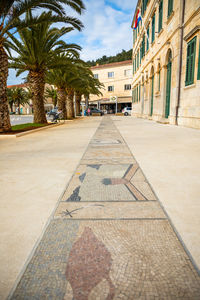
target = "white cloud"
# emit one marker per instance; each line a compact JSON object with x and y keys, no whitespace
{"x":107,"y":30}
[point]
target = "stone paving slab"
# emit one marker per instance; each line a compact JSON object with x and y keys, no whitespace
{"x":108,"y":153}
{"x":109,"y":210}
{"x":138,"y":259}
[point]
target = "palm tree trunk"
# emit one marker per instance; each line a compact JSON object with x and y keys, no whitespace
{"x":37,"y":84}
{"x":62,"y":102}
{"x":78,"y":104}
{"x":19,"y":112}
{"x":70,"y":106}
{"x":4,"y":111}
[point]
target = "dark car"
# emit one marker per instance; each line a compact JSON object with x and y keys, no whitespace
{"x":96,"y":111}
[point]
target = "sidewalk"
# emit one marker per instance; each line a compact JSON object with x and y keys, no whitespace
{"x":170,"y":158}
{"x":34,"y":172}
{"x":109,"y":238}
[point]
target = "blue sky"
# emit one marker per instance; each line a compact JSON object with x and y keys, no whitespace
{"x":107,"y":30}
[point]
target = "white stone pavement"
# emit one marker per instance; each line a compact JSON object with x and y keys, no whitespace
{"x":170,"y":159}
{"x":36,"y":168}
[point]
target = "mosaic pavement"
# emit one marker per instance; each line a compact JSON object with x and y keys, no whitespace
{"x":109,"y":238}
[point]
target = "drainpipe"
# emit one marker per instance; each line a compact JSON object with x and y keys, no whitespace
{"x":180,"y":63}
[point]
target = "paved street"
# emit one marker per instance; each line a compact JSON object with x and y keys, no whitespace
{"x":109,"y":237}
{"x":17,"y":119}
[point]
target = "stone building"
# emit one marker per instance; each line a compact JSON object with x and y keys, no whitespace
{"x":116,"y":78}
{"x":166,"y":62}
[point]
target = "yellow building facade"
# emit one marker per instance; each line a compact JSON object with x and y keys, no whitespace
{"x":166,"y":62}
{"x":117,"y":78}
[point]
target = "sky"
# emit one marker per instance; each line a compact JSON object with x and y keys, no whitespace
{"x":107,"y":30}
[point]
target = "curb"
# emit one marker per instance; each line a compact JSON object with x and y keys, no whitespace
{"x":2,"y":136}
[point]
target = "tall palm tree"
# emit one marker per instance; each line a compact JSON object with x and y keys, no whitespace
{"x":51,"y":93}
{"x":11,"y":20}
{"x":17,"y":96}
{"x":37,"y":48}
{"x":85,"y":84}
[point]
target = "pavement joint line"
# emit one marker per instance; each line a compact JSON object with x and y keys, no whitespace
{"x":112,"y":201}
{"x":111,"y":219}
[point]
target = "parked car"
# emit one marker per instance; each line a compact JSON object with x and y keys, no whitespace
{"x":127,"y":111}
{"x":96,"y":111}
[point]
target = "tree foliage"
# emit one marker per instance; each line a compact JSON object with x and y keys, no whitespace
{"x":122,"y":56}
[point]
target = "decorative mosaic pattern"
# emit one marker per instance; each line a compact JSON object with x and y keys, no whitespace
{"x":109,"y":210}
{"x":109,"y":238}
{"x":132,"y":259}
{"x":101,"y":182}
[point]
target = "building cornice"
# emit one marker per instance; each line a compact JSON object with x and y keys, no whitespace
{"x":116,"y":64}
{"x":192,"y":32}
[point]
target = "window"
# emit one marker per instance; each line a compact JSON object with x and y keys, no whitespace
{"x":170,"y":7}
{"x":159,"y":81}
{"x":143,"y":46}
{"x":133,"y":37}
{"x":138,"y":56}
{"x":139,"y":92}
{"x":190,"y":63}
{"x":127,"y":72}
{"x":96,"y":76}
{"x":144,"y":6}
{"x":148,"y":39}
{"x":160,"y":16}
{"x":127,"y":87}
{"x":135,"y":63}
{"x":159,"y":73}
{"x":111,"y":88}
{"x":153,"y":29}
{"x":198,"y":73}
{"x":110,"y":74}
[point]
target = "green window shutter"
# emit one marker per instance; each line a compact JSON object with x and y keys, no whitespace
{"x":140,"y":53}
{"x":198,"y":72}
{"x":170,"y":7}
{"x":153,"y":29}
{"x":139,"y":93}
{"x":190,"y":62}
{"x":135,"y":63}
{"x":159,"y":81}
{"x":148,"y":39}
{"x":160,"y":16}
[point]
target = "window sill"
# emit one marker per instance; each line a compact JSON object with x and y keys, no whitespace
{"x":157,"y":94}
{"x":170,"y":17}
{"x":189,"y":86}
{"x":159,"y":33}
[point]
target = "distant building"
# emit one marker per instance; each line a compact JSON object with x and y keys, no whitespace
{"x":166,"y":65}
{"x":116,"y":78}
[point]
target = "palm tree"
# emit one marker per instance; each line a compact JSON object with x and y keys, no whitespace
{"x":85,"y":84}
{"x":17,"y":96}
{"x":11,"y":21}
{"x":51,"y":93}
{"x":10,"y":98}
{"x":37,"y":49}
